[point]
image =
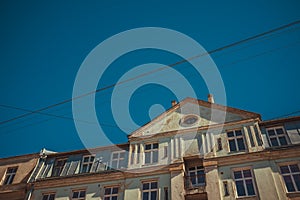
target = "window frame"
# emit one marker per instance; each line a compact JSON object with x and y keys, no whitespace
{"x":111,"y":195}
{"x":49,"y":195}
{"x":55,"y":166}
{"x":10,"y":175}
{"x":284,"y":133}
{"x":235,"y":138}
{"x":151,"y":152}
{"x":244,"y":181}
{"x":196,"y":170}
{"x":289,"y":174}
{"x":118,"y":159}
{"x":89,"y":163}
{"x":79,"y":191}
{"x":149,"y":190}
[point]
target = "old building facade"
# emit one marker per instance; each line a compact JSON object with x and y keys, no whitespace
{"x":195,"y":150}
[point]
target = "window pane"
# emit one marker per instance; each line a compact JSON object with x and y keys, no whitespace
{"x":145,"y":195}
{"x":240,"y":188}
{"x":114,"y":198}
{"x":86,"y":159}
{"x":148,"y":146}
{"x":107,"y":198}
{"x":232,"y":145}
{"x":241,"y":144}
{"x":115,"y":190}
{"x":284,"y":169}
{"x":238,"y":133}
{"x":294,"y":168}
{"x":250,"y":187}
{"x":274,"y":141}
{"x":75,"y":195}
{"x":289,"y":184}
{"x":297,"y":181}
{"x":153,"y":185}
{"x":82,"y":194}
{"x":279,"y":131}
{"x":115,"y":156}
{"x":45,"y":197}
{"x":147,"y":157}
{"x":52,"y":197}
{"x":153,"y":195}
{"x":155,"y":146}
{"x":114,"y":164}
{"x":107,"y":191}
{"x":122,"y":155}
{"x":237,"y":174}
{"x":282,"y":140}
{"x":271,"y":132}
{"x":230,"y":134}
{"x":247,"y":173}
{"x":155,"y":156}
{"x":146,"y":186}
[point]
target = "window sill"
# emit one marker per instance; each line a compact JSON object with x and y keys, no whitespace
{"x":293,"y":194}
{"x":247,"y":198}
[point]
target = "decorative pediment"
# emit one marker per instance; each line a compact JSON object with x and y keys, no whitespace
{"x":191,"y":113}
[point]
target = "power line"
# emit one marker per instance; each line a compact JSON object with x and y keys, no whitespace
{"x":154,"y":71}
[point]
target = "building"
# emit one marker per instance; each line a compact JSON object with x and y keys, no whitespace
{"x":195,"y":150}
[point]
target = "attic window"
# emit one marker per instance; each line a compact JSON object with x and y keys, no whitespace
{"x":189,"y":120}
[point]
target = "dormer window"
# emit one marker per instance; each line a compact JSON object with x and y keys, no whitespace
{"x":236,"y":140}
{"x":151,"y":153}
{"x":277,"y":136}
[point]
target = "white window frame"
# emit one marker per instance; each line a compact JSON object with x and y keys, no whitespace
{"x":48,"y":196}
{"x":79,"y":192}
{"x":111,"y":195}
{"x":149,"y":190}
{"x":196,"y":170}
{"x":89,"y":163}
{"x":151,"y":151}
{"x":244,"y":181}
{"x":289,"y":174}
{"x":276,"y":135}
{"x":118,"y":159}
{"x":9,"y":176}
{"x":60,"y":167}
{"x":235,"y":138}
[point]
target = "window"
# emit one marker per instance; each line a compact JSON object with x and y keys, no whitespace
{"x":166,"y":190}
{"x":250,"y":136}
{"x":48,"y":196}
{"x":116,"y":159}
{"x":197,"y":176}
{"x":219,"y":142}
{"x":87,"y":163}
{"x":244,"y":182}
{"x":150,"y":191}
{"x":58,"y":167}
{"x":225,"y":185}
{"x":111,"y":193}
{"x":151,"y":153}
{"x":165,"y":151}
{"x":10,"y":175}
{"x":291,"y":177}
{"x":78,"y":195}
{"x":258,"y":137}
{"x":277,"y":136}
{"x":132,"y":154}
{"x":236,"y":140}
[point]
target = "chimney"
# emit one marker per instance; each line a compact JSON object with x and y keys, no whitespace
{"x":211,"y":98}
{"x":173,"y":103}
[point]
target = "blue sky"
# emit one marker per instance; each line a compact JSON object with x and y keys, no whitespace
{"x":43,"y":44}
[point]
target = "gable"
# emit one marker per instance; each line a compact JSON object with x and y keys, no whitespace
{"x":192,"y":113}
